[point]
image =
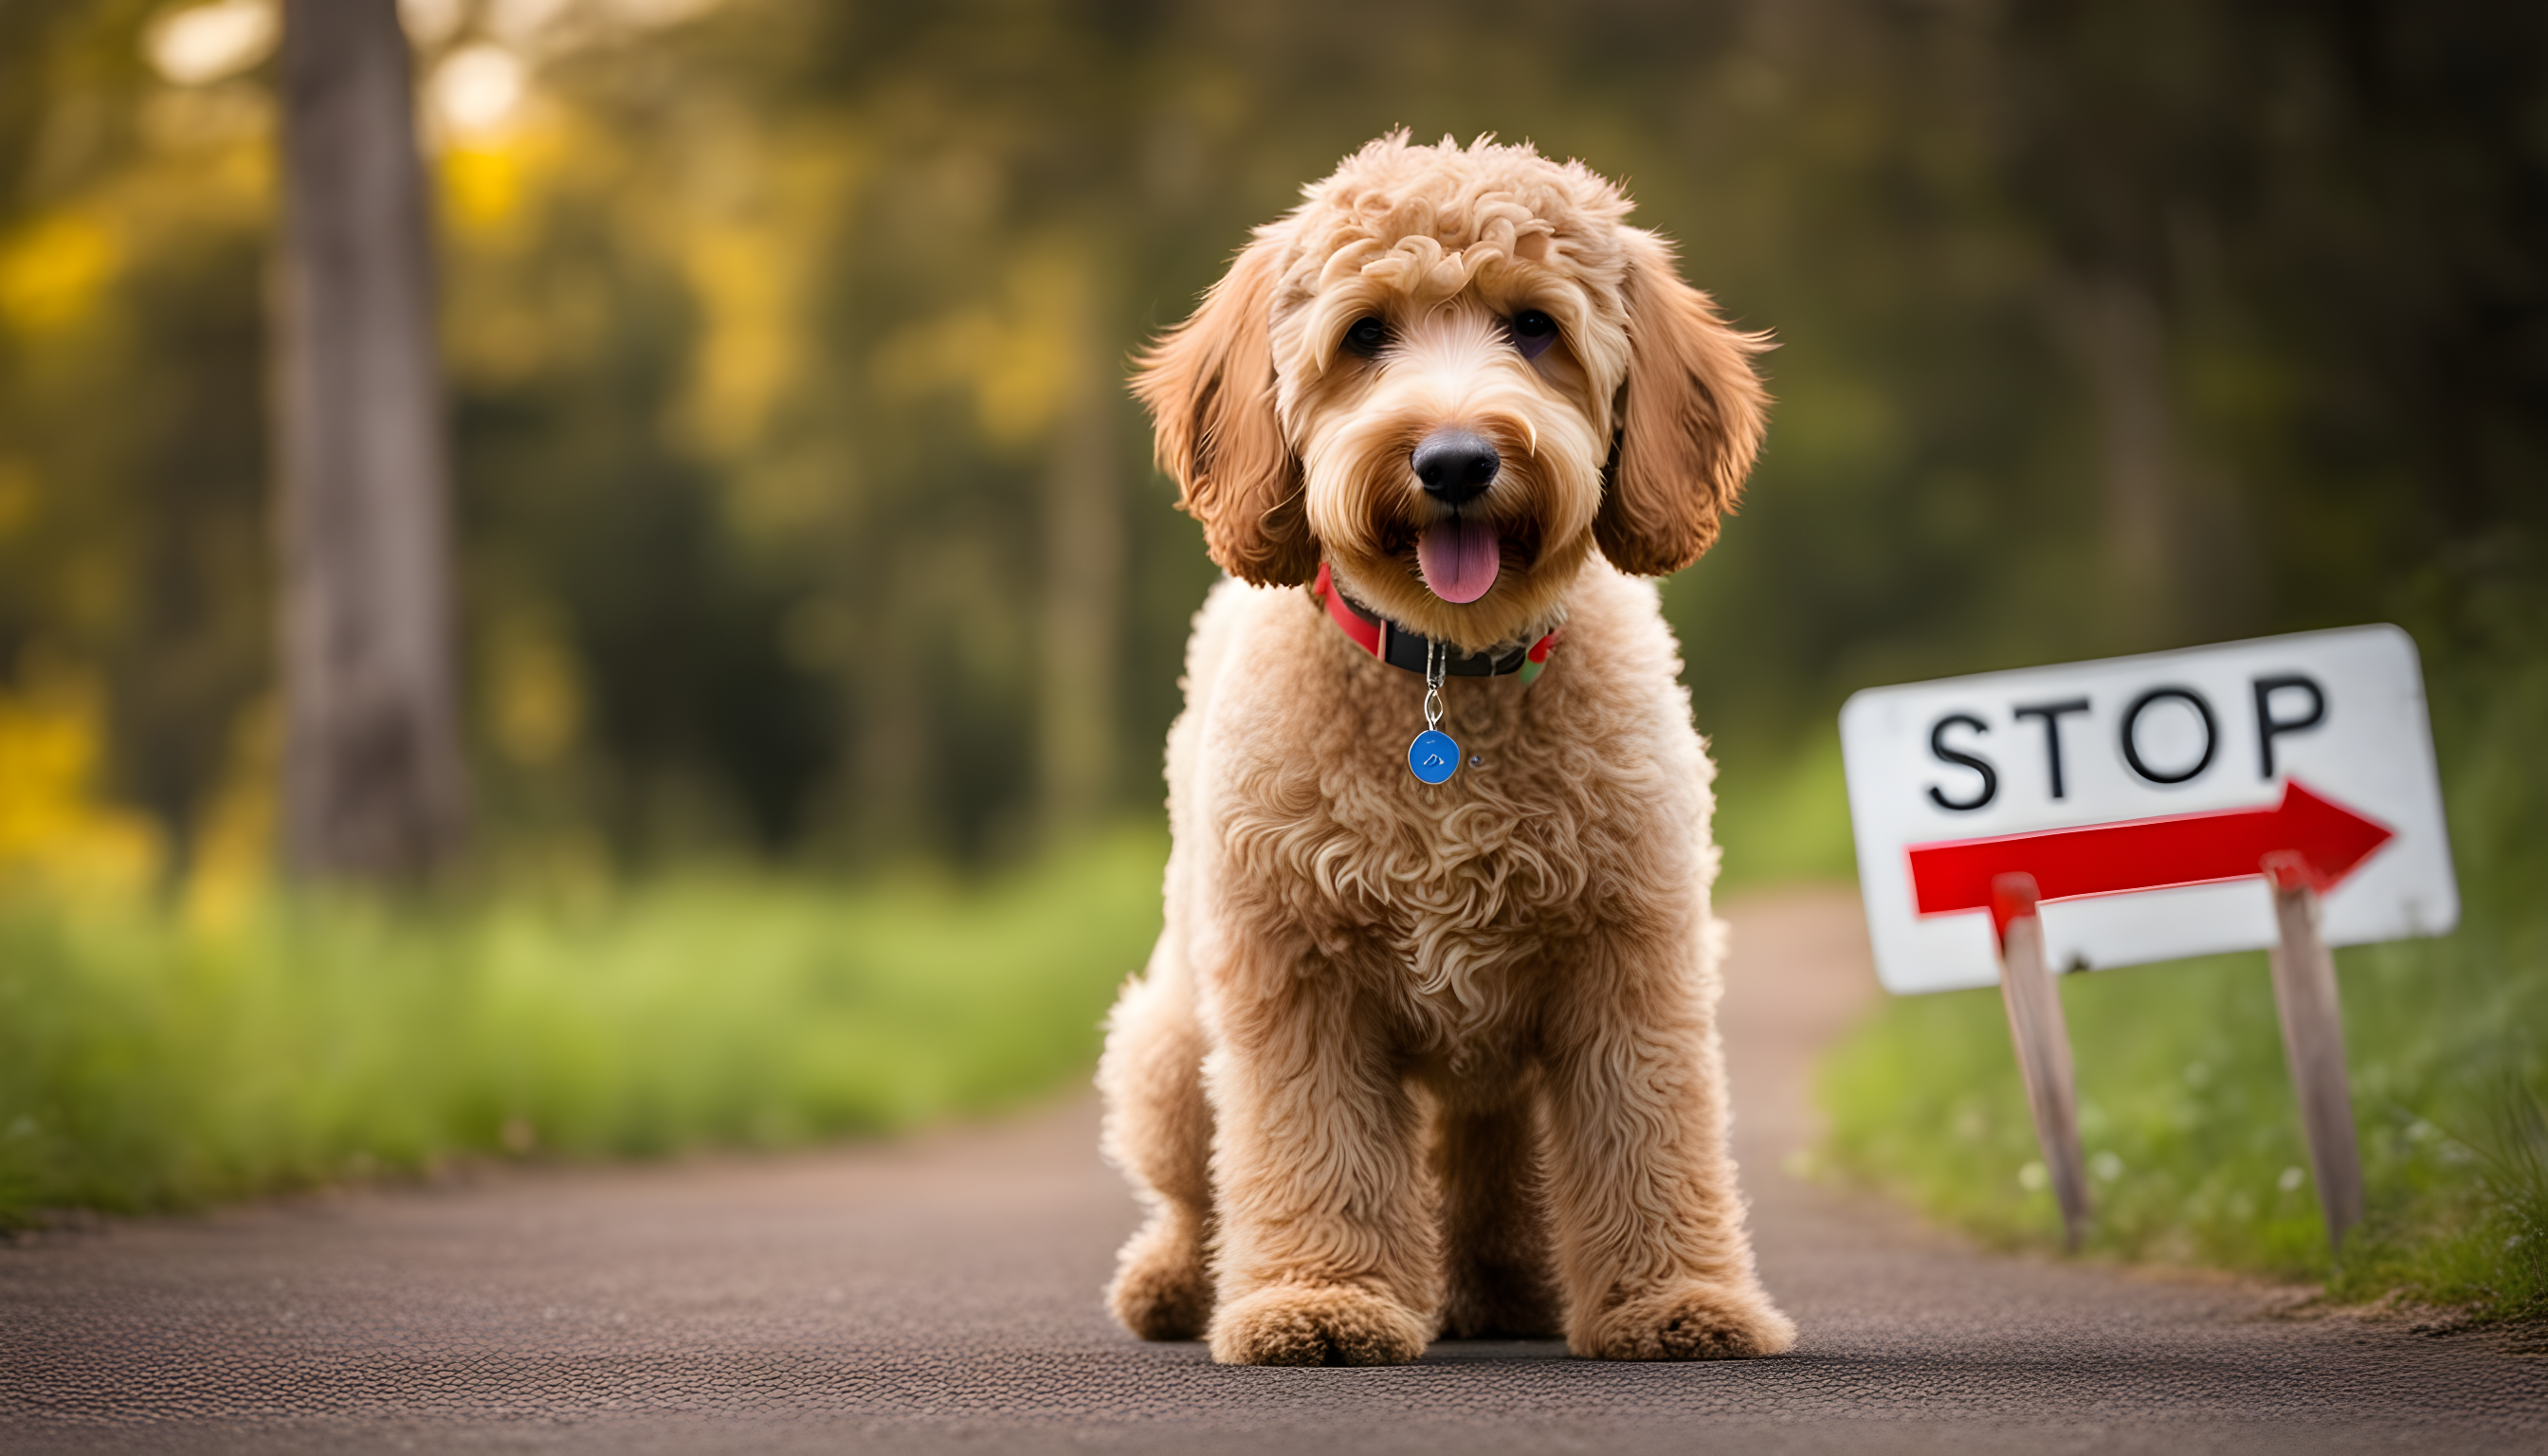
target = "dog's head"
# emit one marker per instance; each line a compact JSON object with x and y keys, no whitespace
{"x":1453,"y":371}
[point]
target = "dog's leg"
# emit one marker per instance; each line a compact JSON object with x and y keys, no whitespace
{"x":1495,"y":1223}
{"x":1328,"y":1253}
{"x":1158,"y":1132}
{"x":1646,"y":1218}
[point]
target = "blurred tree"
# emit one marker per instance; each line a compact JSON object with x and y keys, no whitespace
{"x":1083,"y":588}
{"x":373,"y":781}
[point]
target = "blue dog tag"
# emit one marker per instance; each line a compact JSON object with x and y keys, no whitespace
{"x":1434,"y":756}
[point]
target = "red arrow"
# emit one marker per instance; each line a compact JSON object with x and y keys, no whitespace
{"x":2148,"y":854}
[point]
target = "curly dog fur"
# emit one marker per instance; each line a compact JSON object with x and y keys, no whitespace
{"x":1411,"y":1061}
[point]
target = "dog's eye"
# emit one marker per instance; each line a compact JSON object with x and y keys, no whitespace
{"x":1532,"y":333}
{"x":1366,"y":338}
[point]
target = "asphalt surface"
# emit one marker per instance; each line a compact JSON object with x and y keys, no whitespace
{"x":941,"y":1295}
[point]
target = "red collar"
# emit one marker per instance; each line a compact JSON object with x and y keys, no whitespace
{"x":1401,"y":647}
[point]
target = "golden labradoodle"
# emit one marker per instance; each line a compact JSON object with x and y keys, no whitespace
{"x":1428,"y":1043}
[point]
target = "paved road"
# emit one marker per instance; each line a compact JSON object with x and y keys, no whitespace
{"x":942,"y":1296}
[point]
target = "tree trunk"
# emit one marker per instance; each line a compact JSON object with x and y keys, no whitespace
{"x":2114,"y":330}
{"x":2176,"y":559}
{"x":373,"y":783}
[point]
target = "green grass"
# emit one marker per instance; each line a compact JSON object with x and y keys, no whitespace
{"x":148,"y":1066}
{"x":1783,"y":821}
{"x":2193,"y":1140}
{"x":2186,"y":1111}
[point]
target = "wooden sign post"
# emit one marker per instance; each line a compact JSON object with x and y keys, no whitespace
{"x":2313,"y":1042}
{"x":2043,"y":1042}
{"x":2276,"y":794}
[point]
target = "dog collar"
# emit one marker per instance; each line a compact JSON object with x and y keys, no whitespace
{"x":1401,"y":647}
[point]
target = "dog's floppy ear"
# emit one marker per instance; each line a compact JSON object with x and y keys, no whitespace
{"x":1210,"y":388}
{"x":1689,"y":425}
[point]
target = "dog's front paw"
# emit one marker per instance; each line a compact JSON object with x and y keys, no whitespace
{"x":1327,"y":1325}
{"x":1688,"y":1322}
{"x":1162,"y":1291}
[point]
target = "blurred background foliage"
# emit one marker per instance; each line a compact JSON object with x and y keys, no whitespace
{"x":804,"y":515}
{"x":805,"y":523}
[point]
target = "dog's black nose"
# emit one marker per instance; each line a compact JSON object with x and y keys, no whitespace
{"x":1456,"y":465}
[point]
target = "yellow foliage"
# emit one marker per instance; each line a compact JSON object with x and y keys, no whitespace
{"x":752,"y":227}
{"x":746,"y":279}
{"x":537,"y":702}
{"x":234,"y":858}
{"x":506,"y":322}
{"x":482,"y":182}
{"x":1021,"y":363}
{"x":487,"y":179}
{"x":51,"y":273}
{"x":56,"y":831}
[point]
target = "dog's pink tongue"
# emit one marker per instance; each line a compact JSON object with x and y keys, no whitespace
{"x":1460,"y":557}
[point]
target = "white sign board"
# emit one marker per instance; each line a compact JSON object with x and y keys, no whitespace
{"x":2141,"y":793}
